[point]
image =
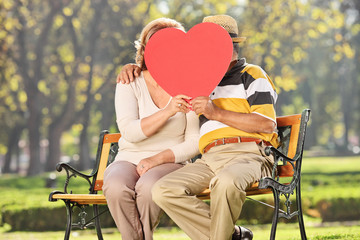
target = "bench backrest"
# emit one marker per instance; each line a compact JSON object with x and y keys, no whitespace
{"x":107,"y":149}
{"x":291,"y":130}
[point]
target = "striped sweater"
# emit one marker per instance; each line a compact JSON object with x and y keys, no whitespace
{"x":246,"y":88}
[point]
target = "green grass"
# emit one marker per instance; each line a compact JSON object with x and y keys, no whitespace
{"x":27,"y":192}
{"x":329,"y":177}
{"x":284,"y":232}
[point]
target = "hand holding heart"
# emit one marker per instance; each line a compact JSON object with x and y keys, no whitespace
{"x":203,"y":105}
{"x":178,"y":104}
{"x":191,"y":63}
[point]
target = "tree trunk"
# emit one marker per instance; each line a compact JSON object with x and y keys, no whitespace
{"x":85,"y":160}
{"x":12,"y":146}
{"x":33,"y":123}
{"x":54,"y":148}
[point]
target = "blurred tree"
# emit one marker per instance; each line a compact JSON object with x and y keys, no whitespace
{"x":12,"y":108}
{"x":59,"y":59}
{"x":76,"y":70}
{"x":26,"y":50}
{"x":117,"y":32}
{"x":349,"y":40}
{"x":330,"y":75}
{"x":305,"y":47}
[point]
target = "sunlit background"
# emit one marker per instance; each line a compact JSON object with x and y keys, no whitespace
{"x":59,"y":60}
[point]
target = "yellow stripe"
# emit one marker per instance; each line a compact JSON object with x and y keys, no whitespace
{"x":242,"y":106}
{"x":233,"y":104}
{"x":257,"y":72}
{"x":265,"y":109}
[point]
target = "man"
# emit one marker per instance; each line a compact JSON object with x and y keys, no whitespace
{"x":237,"y":121}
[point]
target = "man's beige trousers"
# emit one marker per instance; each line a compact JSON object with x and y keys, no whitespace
{"x":228,"y":170}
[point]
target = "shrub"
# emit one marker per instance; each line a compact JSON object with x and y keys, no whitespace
{"x":339,"y":209}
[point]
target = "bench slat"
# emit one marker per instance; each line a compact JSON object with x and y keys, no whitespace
{"x":100,"y":198}
{"x":82,"y":198}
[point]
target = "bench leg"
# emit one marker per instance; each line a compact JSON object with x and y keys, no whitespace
{"x":276,"y":214}
{"x":69,"y":220}
{"x":97,"y":222}
{"x":300,"y":213}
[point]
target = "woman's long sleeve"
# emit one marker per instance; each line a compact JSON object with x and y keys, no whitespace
{"x":127,"y":113}
{"x":189,"y":147}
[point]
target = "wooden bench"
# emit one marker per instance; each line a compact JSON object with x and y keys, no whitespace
{"x":288,"y":160}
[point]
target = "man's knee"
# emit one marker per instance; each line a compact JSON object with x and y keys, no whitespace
{"x":227,"y":183}
{"x":157,"y":192}
{"x":164,"y":190}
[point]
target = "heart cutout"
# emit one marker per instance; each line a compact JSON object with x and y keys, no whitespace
{"x":191,"y":63}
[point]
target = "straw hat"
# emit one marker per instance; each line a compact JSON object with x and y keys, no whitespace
{"x":228,"y":23}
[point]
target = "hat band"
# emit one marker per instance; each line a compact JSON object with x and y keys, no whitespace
{"x":233,"y":35}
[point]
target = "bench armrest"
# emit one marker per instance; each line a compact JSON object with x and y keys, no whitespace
{"x":278,"y":157}
{"x":73,"y":173}
{"x":273,"y":181}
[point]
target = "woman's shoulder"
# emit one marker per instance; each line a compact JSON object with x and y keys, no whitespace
{"x":136,"y":85}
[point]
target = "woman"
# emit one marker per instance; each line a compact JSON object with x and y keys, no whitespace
{"x":159,"y":134}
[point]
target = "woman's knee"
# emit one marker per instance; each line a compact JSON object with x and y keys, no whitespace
{"x":146,"y":183}
{"x":118,"y":178}
{"x":143,"y":189}
{"x":117,"y":188}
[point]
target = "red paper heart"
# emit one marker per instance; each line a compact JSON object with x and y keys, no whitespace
{"x":191,"y":63}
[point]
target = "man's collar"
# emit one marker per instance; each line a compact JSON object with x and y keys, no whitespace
{"x":241,"y":63}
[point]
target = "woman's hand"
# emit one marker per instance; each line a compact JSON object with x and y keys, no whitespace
{"x":166,"y":156}
{"x":146,"y":164}
{"x":178,"y":104}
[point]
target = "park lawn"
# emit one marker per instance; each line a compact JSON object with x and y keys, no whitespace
{"x":328,"y":178}
{"x":322,"y":177}
{"x":261,"y":232}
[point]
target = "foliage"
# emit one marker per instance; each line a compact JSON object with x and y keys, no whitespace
{"x":339,"y":209}
{"x":59,"y":59}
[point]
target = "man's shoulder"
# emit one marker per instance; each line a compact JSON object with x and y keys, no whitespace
{"x":254,"y":67}
{"x":255,"y":71}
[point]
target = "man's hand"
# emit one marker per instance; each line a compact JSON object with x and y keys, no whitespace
{"x":204,"y":105}
{"x":128,"y":73}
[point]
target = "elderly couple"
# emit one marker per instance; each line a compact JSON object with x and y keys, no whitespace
{"x":160,"y":134}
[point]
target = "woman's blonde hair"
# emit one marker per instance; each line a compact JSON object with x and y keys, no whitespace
{"x":146,"y":34}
